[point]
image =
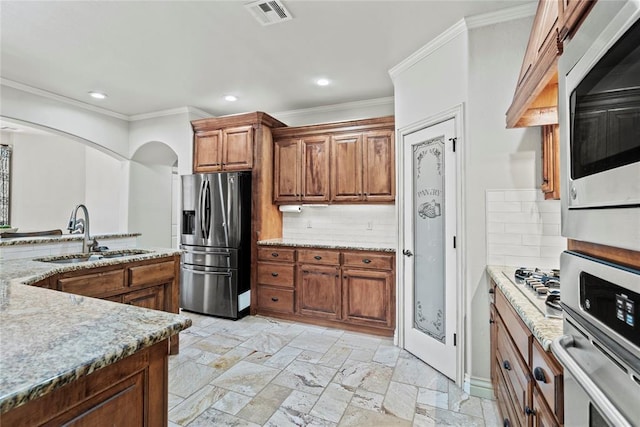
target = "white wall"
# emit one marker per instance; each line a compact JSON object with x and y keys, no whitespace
{"x":150,"y":204}
{"x":479,"y":68}
{"x":336,"y":113}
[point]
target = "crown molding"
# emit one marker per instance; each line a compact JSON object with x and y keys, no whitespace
{"x":335,"y":107}
{"x":504,"y":15}
{"x":170,"y":112}
{"x":60,"y":98}
{"x":442,"y":39}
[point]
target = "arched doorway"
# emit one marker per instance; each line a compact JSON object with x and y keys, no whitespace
{"x":153,"y":195}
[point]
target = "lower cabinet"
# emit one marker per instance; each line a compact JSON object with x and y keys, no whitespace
{"x":131,"y":392}
{"x":152,"y":284}
{"x":527,"y":380}
{"x":354,"y":290}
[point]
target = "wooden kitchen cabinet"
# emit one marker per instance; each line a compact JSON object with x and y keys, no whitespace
{"x":318,"y":288}
{"x":150,"y":284}
{"x":130,"y":392}
{"x":527,"y":381}
{"x":228,"y":149}
{"x":301,"y":170}
{"x":550,"y":162}
{"x":343,"y":162}
{"x":571,"y":14}
{"x":353,"y":290}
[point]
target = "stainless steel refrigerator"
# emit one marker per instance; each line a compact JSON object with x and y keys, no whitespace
{"x":215,"y":237}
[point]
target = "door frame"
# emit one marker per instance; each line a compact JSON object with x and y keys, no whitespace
{"x":457,"y":114}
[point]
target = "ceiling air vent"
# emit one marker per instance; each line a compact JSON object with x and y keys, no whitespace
{"x":269,"y":12}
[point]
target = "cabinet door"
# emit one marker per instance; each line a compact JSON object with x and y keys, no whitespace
{"x":378,"y":167}
{"x":286,"y":170}
{"x":346,"y":168}
{"x":572,"y":13}
{"x":207,"y":151}
{"x":152,"y":298}
{"x":237,"y":148}
{"x":318,"y":291}
{"x":550,"y":162}
{"x":367,"y":297}
{"x":542,"y":415}
{"x":315,"y":169}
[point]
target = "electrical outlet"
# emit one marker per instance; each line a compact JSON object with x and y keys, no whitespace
{"x":369,"y":225}
{"x":309,"y":224}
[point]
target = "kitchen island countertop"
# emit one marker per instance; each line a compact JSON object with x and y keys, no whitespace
{"x":299,"y":243}
{"x":544,"y":329}
{"x":51,"y":338}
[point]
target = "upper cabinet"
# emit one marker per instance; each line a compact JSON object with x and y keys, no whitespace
{"x":344,"y":162}
{"x":535,"y":101}
{"x":227,"y":143}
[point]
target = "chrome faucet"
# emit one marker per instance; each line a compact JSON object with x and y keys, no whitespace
{"x":78,"y":226}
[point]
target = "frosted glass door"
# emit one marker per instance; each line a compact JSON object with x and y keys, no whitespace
{"x":429,"y":271}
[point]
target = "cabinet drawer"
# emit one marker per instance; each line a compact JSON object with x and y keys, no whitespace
{"x":152,"y":273}
{"x":547,"y":374}
{"x":502,"y":397}
{"x":275,"y":299}
{"x":517,"y":329}
{"x":514,"y":370}
{"x":276,"y":254}
{"x":367,"y":260}
{"x":93,"y":284}
{"x":270,"y":273}
{"x":318,"y":256}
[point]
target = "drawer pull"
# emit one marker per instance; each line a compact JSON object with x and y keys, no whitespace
{"x":538,"y":374}
{"x":274,"y":299}
{"x":274,"y":254}
{"x":491,"y":321}
{"x":274,"y":274}
{"x":506,"y":365}
{"x":506,"y":422}
{"x":529,"y":411}
{"x":366,"y":261}
{"x":318,"y":257}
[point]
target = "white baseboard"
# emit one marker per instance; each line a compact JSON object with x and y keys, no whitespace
{"x":479,"y":387}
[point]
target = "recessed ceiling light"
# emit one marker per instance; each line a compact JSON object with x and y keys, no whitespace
{"x":97,"y":95}
{"x":230,"y":98}
{"x":322,"y":82}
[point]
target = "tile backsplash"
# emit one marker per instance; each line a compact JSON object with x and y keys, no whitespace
{"x":343,"y":224}
{"x":523,"y":229}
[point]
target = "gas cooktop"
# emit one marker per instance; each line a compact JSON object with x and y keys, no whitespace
{"x":541,"y":287}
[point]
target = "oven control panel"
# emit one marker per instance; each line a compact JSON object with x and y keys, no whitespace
{"x":613,"y":305}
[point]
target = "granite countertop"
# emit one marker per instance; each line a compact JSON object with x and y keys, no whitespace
{"x":298,"y":243}
{"x":14,"y":241}
{"x":545,"y":329}
{"x":50,"y":338}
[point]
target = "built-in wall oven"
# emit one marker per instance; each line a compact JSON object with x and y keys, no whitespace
{"x":599,"y":113}
{"x":600,"y":348}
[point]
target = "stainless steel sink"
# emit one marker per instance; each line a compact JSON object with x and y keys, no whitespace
{"x":94,"y":256}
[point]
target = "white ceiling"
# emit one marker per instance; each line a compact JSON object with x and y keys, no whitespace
{"x":151,"y":56}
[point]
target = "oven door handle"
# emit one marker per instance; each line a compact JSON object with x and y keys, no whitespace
{"x":608,"y":410}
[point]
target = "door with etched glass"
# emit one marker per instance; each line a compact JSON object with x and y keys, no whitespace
{"x":429,"y":184}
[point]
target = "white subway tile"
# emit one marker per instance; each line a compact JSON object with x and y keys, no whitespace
{"x":495,"y":260}
{"x":509,"y":239}
{"x":524,"y":228}
{"x":514,"y":217}
{"x":495,"y":227}
{"x":495,"y":196}
{"x":551,"y":229}
{"x":504,"y":207}
{"x":542,"y":240}
{"x":521,"y":195}
{"x":514,"y":250}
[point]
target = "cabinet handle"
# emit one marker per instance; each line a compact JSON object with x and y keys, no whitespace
{"x":506,"y":422}
{"x":318,"y":257}
{"x":274,"y":299}
{"x":274,"y":274}
{"x":366,"y":261}
{"x":506,"y":365}
{"x":491,"y":291}
{"x":274,"y":254}
{"x":538,"y":374}
{"x":529,"y":411}
{"x":491,"y":321}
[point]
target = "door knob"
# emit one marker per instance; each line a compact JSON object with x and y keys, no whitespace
{"x":407,"y":252}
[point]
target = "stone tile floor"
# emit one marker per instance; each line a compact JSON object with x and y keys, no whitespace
{"x":260,"y":371}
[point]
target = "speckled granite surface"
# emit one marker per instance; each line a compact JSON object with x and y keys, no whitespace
{"x":543,"y":328}
{"x":308,"y":244}
{"x":64,"y":238}
{"x":50,"y":338}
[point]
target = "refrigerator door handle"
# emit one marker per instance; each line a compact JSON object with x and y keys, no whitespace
{"x":212,"y":273}
{"x":227,"y":254}
{"x":205,"y":207}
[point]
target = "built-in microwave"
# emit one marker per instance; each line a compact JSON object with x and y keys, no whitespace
{"x":599,"y":113}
